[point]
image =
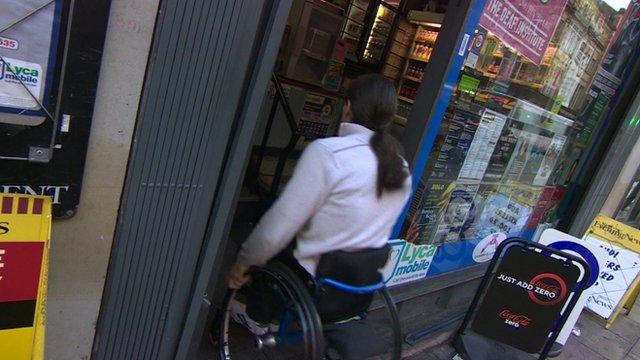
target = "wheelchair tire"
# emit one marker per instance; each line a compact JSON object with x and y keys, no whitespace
{"x":295,"y":290}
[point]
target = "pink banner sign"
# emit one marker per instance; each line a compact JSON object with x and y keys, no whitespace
{"x":526,"y":25}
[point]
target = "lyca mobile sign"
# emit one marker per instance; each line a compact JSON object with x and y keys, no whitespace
{"x":25,"y":226}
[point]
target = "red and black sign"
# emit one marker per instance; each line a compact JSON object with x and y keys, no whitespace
{"x":20,"y":266}
{"x":525,"y":298}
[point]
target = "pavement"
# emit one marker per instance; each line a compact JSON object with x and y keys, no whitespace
{"x":595,"y":342}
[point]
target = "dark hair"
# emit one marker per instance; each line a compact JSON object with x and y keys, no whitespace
{"x":373,"y":104}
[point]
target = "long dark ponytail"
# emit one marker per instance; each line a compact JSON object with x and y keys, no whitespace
{"x":373,"y":105}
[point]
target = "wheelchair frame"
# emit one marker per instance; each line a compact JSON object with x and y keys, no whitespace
{"x":312,"y":330}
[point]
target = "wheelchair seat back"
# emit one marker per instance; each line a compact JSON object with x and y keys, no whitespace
{"x":359,"y":268}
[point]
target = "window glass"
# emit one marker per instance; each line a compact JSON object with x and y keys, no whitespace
{"x":535,"y":84}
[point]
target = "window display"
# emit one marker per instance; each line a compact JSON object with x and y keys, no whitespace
{"x":514,"y":130}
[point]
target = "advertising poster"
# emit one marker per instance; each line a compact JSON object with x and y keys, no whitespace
{"x":549,"y":161}
{"x":430,"y":212}
{"x":538,"y":149}
{"x":25,"y":226}
{"x":502,"y":153}
{"x":484,"y":142}
{"x":527,"y":26}
{"x":28,"y":49}
{"x":455,"y":216}
{"x":471,"y":230}
{"x":407,"y":262}
{"x":524,"y":299}
{"x":455,"y":145}
{"x":528,"y":154}
{"x":622,"y":265}
{"x":506,"y":211}
{"x":475,"y":50}
{"x":317,"y":114}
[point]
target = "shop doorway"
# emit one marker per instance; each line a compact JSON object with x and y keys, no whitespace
{"x":325,"y":45}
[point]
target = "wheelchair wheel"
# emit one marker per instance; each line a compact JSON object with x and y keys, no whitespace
{"x":296,"y":333}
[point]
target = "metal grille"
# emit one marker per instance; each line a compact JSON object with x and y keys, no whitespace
{"x":195,"y":80}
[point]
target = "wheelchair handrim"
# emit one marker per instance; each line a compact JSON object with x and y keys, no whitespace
{"x":310,"y":336}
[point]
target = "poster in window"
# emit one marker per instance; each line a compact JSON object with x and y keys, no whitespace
{"x":549,"y":161}
{"x":528,"y":153}
{"x":508,"y":210}
{"x":472,"y":228}
{"x":455,"y":144}
{"x":484,"y":142}
{"x":455,"y":217}
{"x":430,"y":212}
{"x":28,"y":53}
{"x":502,"y":152}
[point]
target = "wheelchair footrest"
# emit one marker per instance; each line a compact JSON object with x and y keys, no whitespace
{"x":355,"y":339}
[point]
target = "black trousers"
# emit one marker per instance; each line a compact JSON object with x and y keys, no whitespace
{"x":263,"y":304}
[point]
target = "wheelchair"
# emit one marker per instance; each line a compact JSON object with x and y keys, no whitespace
{"x":312,"y":318}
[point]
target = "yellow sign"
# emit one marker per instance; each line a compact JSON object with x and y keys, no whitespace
{"x":618,"y":280}
{"x":25,"y":228}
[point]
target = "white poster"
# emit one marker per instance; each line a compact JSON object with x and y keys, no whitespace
{"x":620,"y":270}
{"x":484,"y":141}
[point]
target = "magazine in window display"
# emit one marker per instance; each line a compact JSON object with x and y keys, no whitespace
{"x":537,"y":152}
{"x":430,"y":212}
{"x":455,"y":217}
{"x":471,"y":230}
{"x":548,"y":163}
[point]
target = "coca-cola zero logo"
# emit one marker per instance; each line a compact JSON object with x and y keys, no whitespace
{"x":549,"y":289}
{"x":515,"y":320}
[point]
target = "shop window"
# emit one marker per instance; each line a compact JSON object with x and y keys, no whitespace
{"x":518,"y":123}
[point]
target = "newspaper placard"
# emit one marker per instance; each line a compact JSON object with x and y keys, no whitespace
{"x":618,"y":278}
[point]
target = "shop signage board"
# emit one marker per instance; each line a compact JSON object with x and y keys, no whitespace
{"x":407,"y":262}
{"x":28,"y":53}
{"x":25,"y":226}
{"x":594,"y":255}
{"x":619,"y":277}
{"x":526,"y":25}
{"x":524,"y":299}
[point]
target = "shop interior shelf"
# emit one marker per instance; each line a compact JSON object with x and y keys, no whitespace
{"x":413,"y":78}
{"x":405,"y":99}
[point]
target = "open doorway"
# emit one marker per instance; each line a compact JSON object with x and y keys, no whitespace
{"x":326,"y":44}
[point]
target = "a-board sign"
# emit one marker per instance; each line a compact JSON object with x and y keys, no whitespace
{"x":25,"y":226}
{"x":619,"y":276}
{"x":593,"y":255}
{"x":524,"y":300}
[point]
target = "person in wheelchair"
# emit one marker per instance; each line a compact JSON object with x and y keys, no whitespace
{"x":340,"y":205}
